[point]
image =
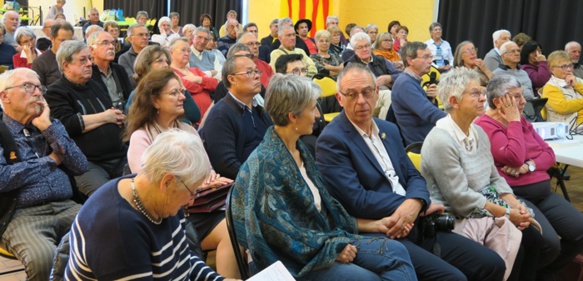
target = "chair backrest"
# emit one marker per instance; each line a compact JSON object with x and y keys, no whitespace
{"x":535,"y":110}
{"x":243,"y":267}
{"x":328,"y":86}
{"x":414,"y":152}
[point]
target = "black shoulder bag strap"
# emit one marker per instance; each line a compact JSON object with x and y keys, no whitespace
{"x":7,"y":199}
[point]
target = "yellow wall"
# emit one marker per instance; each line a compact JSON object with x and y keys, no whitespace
{"x":417,"y":15}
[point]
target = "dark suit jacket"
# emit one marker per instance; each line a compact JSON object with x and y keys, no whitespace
{"x":353,"y":175}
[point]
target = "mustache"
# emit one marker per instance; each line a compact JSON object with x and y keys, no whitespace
{"x":110,"y":52}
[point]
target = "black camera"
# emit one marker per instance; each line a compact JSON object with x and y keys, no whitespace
{"x":437,"y":222}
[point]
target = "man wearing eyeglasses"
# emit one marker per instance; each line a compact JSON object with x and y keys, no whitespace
{"x":202,"y":58}
{"x":138,"y":36}
{"x":364,"y":165}
{"x":414,"y":108}
{"x":236,"y":124}
{"x":46,"y":64}
{"x":109,"y":74}
{"x":510,"y":53}
{"x":250,"y":40}
{"x":35,"y":191}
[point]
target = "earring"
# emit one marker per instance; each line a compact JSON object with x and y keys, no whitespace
{"x":296,"y":128}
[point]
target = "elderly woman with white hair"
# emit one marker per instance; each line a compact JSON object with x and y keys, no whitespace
{"x":25,"y":38}
{"x":134,"y":227}
{"x":522,"y":157}
{"x":457,"y":163}
{"x":188,"y":32}
{"x":282,"y":210}
{"x":166,"y":34}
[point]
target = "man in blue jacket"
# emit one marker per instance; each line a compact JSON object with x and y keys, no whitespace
{"x":364,"y":165}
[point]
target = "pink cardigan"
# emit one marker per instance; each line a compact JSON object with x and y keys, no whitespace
{"x":514,"y":145}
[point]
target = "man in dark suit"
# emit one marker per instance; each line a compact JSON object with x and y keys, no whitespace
{"x":364,"y":165}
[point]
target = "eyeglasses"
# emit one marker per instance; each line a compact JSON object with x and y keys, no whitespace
{"x":105,"y":43}
{"x":202,"y":38}
{"x":147,"y":35}
{"x":471,"y":50}
{"x":29,"y":88}
{"x":249,"y":73}
{"x":358,"y":48}
{"x":297,"y":71}
{"x":477,"y":93}
{"x":177,"y":92}
{"x":427,"y":57}
{"x":388,"y":40}
{"x":251,"y":44}
{"x":515,"y":51}
{"x":191,"y":193}
{"x":565,"y":67}
{"x":367,"y":93}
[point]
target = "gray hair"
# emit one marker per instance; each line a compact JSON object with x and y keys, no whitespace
{"x":274,"y":21}
{"x":23,"y":31}
{"x":571,"y":44}
{"x":410,"y":51}
{"x":496,"y":35}
{"x":359,"y":37}
{"x":330,"y":18}
{"x":434,"y":25}
{"x":454,"y":83}
{"x":67,"y":50}
{"x":177,"y":152}
{"x":237,"y":47}
{"x":371,"y":26}
{"x":355,"y":29}
{"x":282,"y":28}
{"x":142,"y":14}
{"x":499,"y":86}
{"x":188,"y":27}
{"x":228,"y":69}
{"x":505,"y":46}
{"x":289,"y":94}
{"x":7,"y":78}
{"x":176,"y":40}
{"x":285,"y":20}
{"x":93,"y":38}
{"x":92,"y":28}
{"x":322,"y":33}
{"x":357,"y":68}
{"x":130,"y":31}
{"x":203,"y":29}
{"x":230,"y":20}
{"x":164,"y":19}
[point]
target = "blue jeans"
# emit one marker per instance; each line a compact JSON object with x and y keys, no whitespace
{"x":377,"y":258}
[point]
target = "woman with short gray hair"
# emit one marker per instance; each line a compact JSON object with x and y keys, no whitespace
{"x":279,"y":200}
{"x":522,"y":158}
{"x":135,"y":225}
{"x":26,"y":38}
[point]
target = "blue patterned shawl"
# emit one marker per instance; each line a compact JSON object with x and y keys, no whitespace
{"x":275,"y":215}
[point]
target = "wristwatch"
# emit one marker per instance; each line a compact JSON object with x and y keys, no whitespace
{"x":531,"y":166}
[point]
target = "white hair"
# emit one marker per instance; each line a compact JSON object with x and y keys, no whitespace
{"x":358,"y":37}
{"x":571,"y":44}
{"x":496,"y":35}
{"x":505,"y":46}
{"x":329,"y":18}
{"x":178,"y":152}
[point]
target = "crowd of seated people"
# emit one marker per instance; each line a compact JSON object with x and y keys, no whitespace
{"x":80,"y":119}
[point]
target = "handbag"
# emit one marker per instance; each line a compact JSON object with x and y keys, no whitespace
{"x":209,"y":199}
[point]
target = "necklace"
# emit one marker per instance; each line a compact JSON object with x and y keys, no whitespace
{"x":141,"y":207}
